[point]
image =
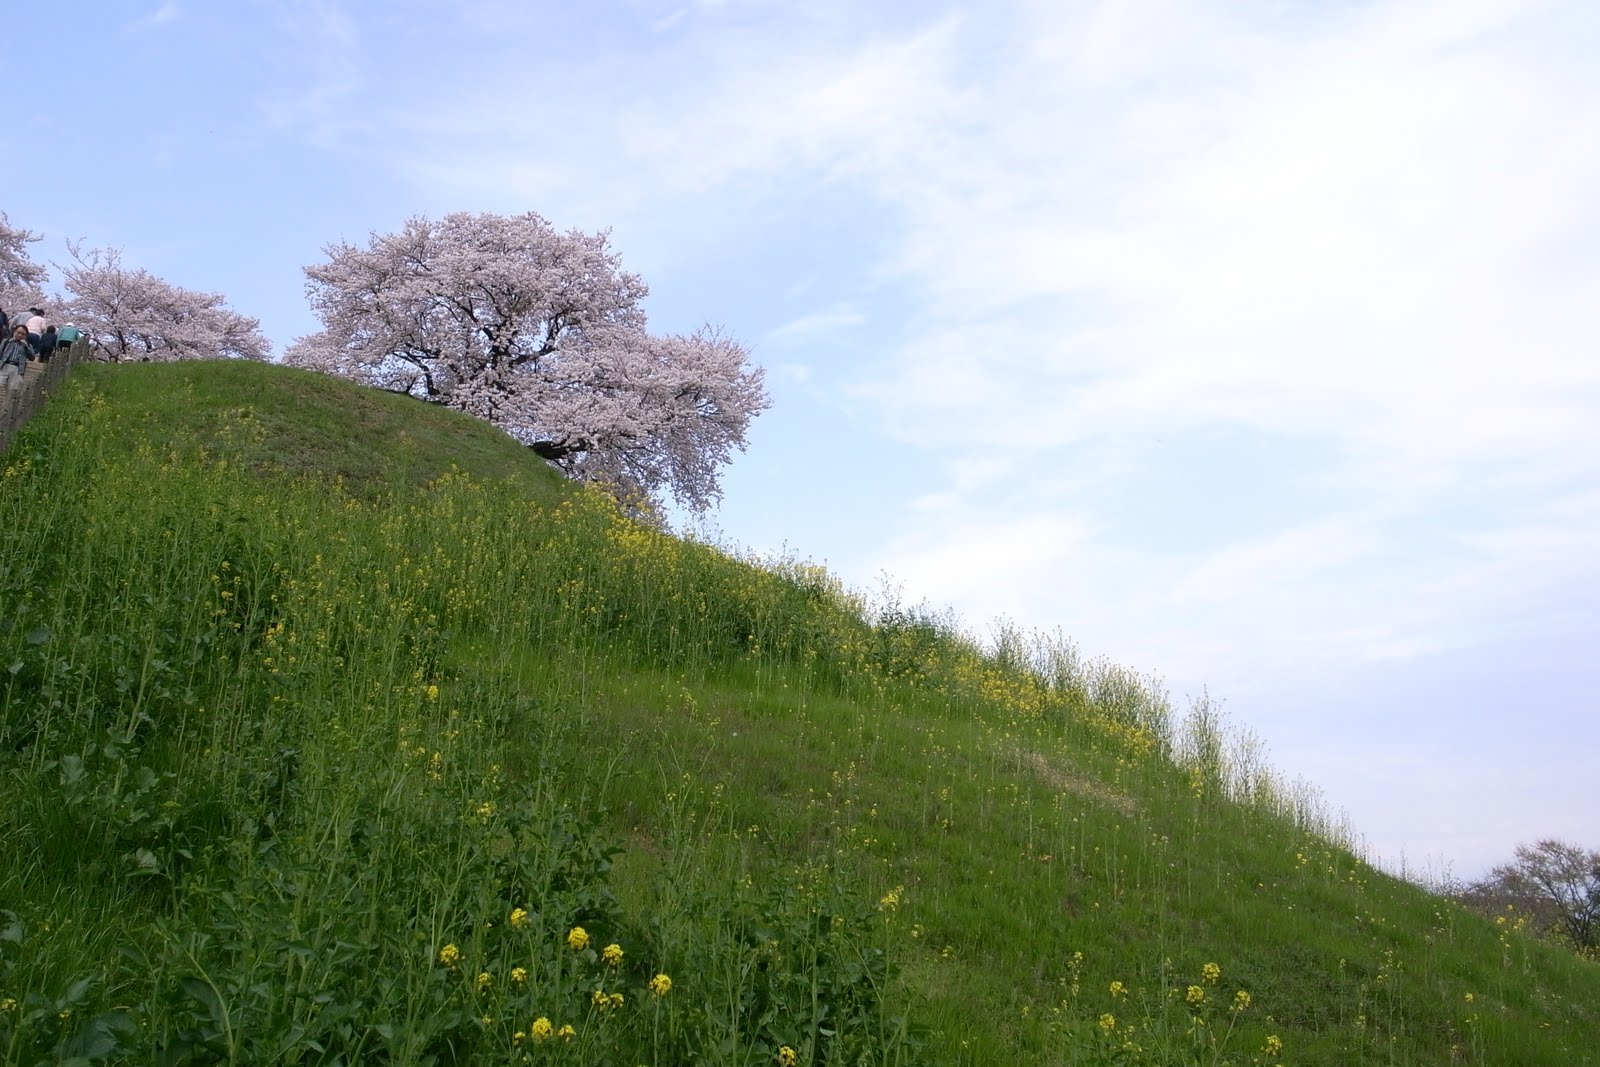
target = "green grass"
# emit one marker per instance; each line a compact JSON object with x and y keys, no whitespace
{"x":326,"y":716}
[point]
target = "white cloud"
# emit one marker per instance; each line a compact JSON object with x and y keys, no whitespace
{"x":167,"y":12}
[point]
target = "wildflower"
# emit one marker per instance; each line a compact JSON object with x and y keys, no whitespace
{"x":786,"y":1056}
{"x":485,"y":810}
{"x":519,"y":975}
{"x":577,"y":939}
{"x":1118,"y":990}
{"x":8,"y":1004}
{"x":1273,"y":1045}
{"x":1241,"y":1000}
{"x":1211,"y":972}
{"x":433,"y":692}
{"x":1108,"y":1022}
{"x":891,"y":899}
{"x":1469,"y":998}
{"x":660,"y":985}
{"x":518,"y":1038}
{"x":485,"y":980}
{"x":612,"y":954}
{"x":542,"y":1029}
{"x":449,"y":955}
{"x":1195,"y":995}
{"x":604,"y":1001}
{"x":519,"y":918}
{"x":566,"y":1033}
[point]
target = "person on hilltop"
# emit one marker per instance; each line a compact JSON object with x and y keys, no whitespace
{"x":67,"y":336}
{"x":36,"y":325}
{"x":15,"y":352}
{"x":47,"y":343}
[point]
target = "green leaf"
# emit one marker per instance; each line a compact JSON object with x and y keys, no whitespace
{"x":206,"y":994}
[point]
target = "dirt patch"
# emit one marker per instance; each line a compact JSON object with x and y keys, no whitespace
{"x":1069,"y":780}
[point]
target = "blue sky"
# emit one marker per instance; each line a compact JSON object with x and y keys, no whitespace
{"x":1250,"y":345}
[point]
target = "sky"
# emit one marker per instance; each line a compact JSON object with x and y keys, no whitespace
{"x":1251,"y":346}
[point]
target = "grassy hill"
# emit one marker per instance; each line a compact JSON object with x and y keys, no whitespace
{"x":334,"y":729}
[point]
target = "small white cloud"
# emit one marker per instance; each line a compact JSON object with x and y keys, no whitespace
{"x":167,"y":12}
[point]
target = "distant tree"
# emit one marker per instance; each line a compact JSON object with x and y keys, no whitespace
{"x":133,"y":316}
{"x":542,"y":334}
{"x":1556,"y":883}
{"x":21,"y":279}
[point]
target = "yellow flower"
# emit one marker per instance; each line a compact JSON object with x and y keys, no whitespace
{"x":1119,"y":990}
{"x":1273,"y":1046}
{"x":8,"y":1004}
{"x":1108,"y":1022}
{"x":433,"y":692}
{"x":1469,"y":998}
{"x":604,"y":1001}
{"x":566,"y":1033}
{"x":660,"y":985}
{"x":519,"y":918}
{"x":542,"y":1029}
{"x":612,"y":954}
{"x":519,"y":975}
{"x":1195,"y":995}
{"x":485,"y":980}
{"x":485,"y":810}
{"x":1211,"y":972}
{"x":449,"y":955}
{"x":891,"y":899}
{"x":786,"y":1056}
{"x":577,"y":939}
{"x":1241,"y":1000}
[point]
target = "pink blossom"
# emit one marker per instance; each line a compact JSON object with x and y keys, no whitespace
{"x":542,"y":334}
{"x":131,"y":315}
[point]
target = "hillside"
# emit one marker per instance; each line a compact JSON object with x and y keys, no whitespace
{"x":336,"y":729}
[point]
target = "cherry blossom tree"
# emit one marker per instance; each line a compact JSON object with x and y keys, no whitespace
{"x":542,"y":334}
{"x":1555,"y":883}
{"x":133,"y":316}
{"x":21,"y":279}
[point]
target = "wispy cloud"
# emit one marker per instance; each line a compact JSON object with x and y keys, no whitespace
{"x":316,"y":103}
{"x":166,"y":13}
{"x":820,"y":323}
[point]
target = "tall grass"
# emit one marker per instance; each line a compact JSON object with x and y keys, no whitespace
{"x":314,"y":758}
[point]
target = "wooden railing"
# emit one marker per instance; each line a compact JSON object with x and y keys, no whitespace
{"x":38,"y":383}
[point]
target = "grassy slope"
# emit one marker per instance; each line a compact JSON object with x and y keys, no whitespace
{"x":758,"y":754}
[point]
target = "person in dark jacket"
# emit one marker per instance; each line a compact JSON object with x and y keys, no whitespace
{"x":15,"y":352}
{"x":47,"y":343}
